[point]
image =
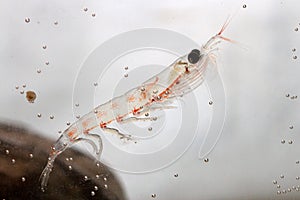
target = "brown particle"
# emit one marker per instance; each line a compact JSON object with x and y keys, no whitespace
{"x":30,"y":96}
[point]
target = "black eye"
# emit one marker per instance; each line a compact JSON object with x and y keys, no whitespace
{"x":194,"y":56}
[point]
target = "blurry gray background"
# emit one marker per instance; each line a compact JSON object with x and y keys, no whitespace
{"x":259,"y":141}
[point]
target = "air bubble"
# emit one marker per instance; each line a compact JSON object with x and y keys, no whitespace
{"x":7,"y":151}
{"x":95,"y":84}
{"x":293,"y":50}
{"x":297,"y":162}
{"x":56,"y":23}
{"x":287,"y":95}
{"x":295,"y":57}
{"x":244,"y":6}
{"x":104,"y":179}
{"x":278,"y":192}
{"x":210,"y":103}
{"x":77,"y":104}
{"x":93,"y":15}
{"x":291,"y":127}
{"x":125,"y":75}
{"x":153,"y":195}
{"x":97,"y":176}
{"x":39,"y":115}
{"x":126,"y":68}
{"x":71,"y":159}
{"x":51,"y":117}
{"x":296,"y":29}
{"x":282,"y":141}
{"x":77,"y":116}
{"x":47,"y":62}
{"x":281,"y":176}
{"x":105,"y":186}
{"x":27,"y":20}
{"x":289,"y":190}
{"x":278,"y":186}
{"x":176,"y":175}
{"x":206,"y":159}
{"x":283,"y":191}
{"x":38,"y":71}
{"x":85,"y":9}
{"x":23,"y":179}
{"x":68,"y":123}
{"x":22,"y":92}
{"x":44,"y":47}
{"x":155,"y":91}
{"x":92,"y":193}
{"x":17,"y":87}
{"x":146,"y":114}
{"x":96,"y":188}
{"x":274,"y":182}
{"x":13,"y":161}
{"x":297,"y":177}
{"x":290,"y":142}
{"x":30,"y":155}
{"x":150,"y":129}
{"x":85,"y":178}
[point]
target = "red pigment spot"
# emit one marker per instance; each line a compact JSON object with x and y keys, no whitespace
{"x":131,"y":98}
{"x":135,"y":110}
{"x":102,"y":125}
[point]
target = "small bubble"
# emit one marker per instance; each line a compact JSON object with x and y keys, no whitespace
{"x":39,"y":115}
{"x":278,"y":192}
{"x":7,"y":151}
{"x":155,"y":91}
{"x":47,"y":63}
{"x":95,"y":84}
{"x":287,"y":95}
{"x":290,"y":142}
{"x":296,"y":29}
{"x":281,"y":176}
{"x":30,"y":96}
{"x":125,"y":75}
{"x":27,"y":20}
{"x":153,"y":195}
{"x":77,"y":116}
{"x":293,"y":50}
{"x":126,"y":68}
{"x":22,"y":92}
{"x":38,"y":71}
{"x":17,"y":87}
{"x":71,"y":159}
{"x":283,"y":191}
{"x":297,"y":177}
{"x":291,"y":127}
{"x":85,"y":9}
{"x":23,"y":179}
{"x":295,"y":57}
{"x":67,"y":159}
{"x":297,"y":162}
{"x":297,"y":189}
{"x":282,"y":141}
{"x":176,"y":175}
{"x":44,"y":47}
{"x":154,"y":118}
{"x":146,"y":114}
{"x":98,"y":164}
{"x":85,"y":178}
{"x":13,"y":161}
{"x":77,"y":104}
{"x":51,"y":117}
{"x":278,"y":186}
{"x":294,"y":187}
{"x":92,"y":193}
{"x":30,"y":155}
{"x":97,"y":176}
{"x":96,"y":188}
{"x":244,"y":6}
{"x":105,"y":186}
{"x":210,"y":103}
{"x":59,"y":131}
{"x":68,"y":123}
{"x":206,"y":159}
{"x":142,"y":89}
{"x":93,"y":15}
{"x":70,"y":167}
{"x":104,"y":179}
{"x":274,"y":182}
{"x":56,"y":23}
{"x":150,"y":129}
